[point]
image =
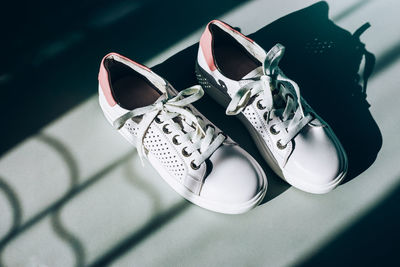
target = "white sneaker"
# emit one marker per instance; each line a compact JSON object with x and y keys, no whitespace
{"x":298,"y":145}
{"x":189,"y":152}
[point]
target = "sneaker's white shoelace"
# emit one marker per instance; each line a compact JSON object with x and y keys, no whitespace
{"x":293,"y":118}
{"x":197,"y":135}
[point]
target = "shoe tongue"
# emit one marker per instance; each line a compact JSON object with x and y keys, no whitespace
{"x":165,"y":93}
{"x":278,"y":99}
{"x":254,"y":73}
{"x":169,"y":93}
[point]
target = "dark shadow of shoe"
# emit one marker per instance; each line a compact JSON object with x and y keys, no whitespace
{"x":324,"y":60}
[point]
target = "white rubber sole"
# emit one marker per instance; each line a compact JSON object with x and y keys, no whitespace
{"x":182,"y":190}
{"x":224,"y":100}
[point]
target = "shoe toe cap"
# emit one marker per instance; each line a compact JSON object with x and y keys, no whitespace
{"x":317,"y":159}
{"x":234,"y":178}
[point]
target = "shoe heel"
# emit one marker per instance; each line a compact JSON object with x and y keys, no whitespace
{"x":214,"y":92}
{"x":123,"y":131}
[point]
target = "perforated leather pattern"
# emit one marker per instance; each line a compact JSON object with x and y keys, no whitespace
{"x":131,"y":128}
{"x":251,"y":115}
{"x":157,"y":144}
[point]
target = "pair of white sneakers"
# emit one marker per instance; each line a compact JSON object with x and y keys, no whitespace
{"x":196,"y":158}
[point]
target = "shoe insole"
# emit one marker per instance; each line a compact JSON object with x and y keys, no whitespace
{"x":233,"y":60}
{"x":233,"y":63}
{"x":130,"y":89}
{"x":134,"y":92}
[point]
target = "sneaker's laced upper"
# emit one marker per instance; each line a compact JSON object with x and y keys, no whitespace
{"x":191,"y":129}
{"x":270,"y":86}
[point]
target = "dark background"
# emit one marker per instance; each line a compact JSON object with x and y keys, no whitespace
{"x":51,"y":50}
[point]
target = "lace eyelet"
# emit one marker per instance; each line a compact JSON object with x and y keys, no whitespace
{"x":175,"y":141}
{"x":157,"y":120}
{"x":188,"y":109}
{"x":199,"y":117}
{"x":165,"y":130}
{"x":185,"y":153}
{"x":273,"y":131}
{"x":194,"y":166}
{"x":259,"y":106}
{"x":280,"y":146}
